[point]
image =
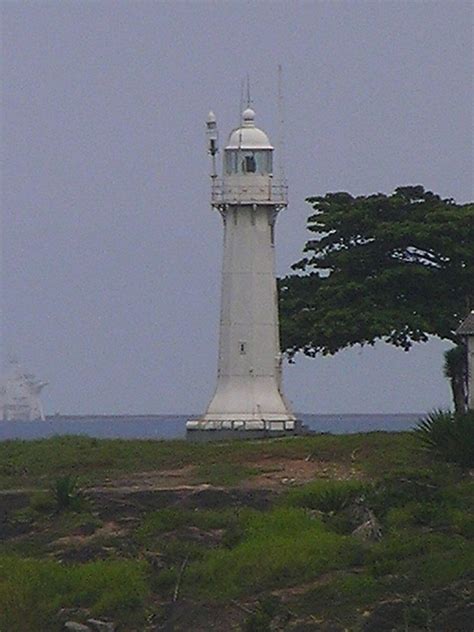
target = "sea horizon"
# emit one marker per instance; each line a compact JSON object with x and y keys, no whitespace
{"x":173,"y":426}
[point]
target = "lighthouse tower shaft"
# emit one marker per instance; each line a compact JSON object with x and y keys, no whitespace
{"x":248,"y":394}
{"x":249,"y":382}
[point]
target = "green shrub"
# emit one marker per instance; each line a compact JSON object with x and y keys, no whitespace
{"x":399,"y":489}
{"x":66,"y":492}
{"x":409,"y":552}
{"x":278,"y":548}
{"x":342,"y":594}
{"x":32,"y":590}
{"x":462,"y":522}
{"x":233,"y":533}
{"x":257,"y":622}
{"x":430,"y":560}
{"x":449,"y":436}
{"x":442,"y":567}
{"x":164,"y":581}
{"x":260,"y":620}
{"x":171,"y":519}
{"x":175,"y":550}
{"x":439,"y":515}
{"x":325,"y":495}
{"x":418,"y":514}
{"x":42,"y":502}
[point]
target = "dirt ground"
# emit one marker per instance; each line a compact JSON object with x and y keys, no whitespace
{"x":272,"y":473}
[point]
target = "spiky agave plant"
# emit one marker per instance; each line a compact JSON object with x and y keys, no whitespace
{"x":435,"y":430}
{"x":66,"y":492}
{"x":448,"y":435}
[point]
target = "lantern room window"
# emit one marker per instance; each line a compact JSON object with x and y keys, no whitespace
{"x":249,"y":164}
{"x":243,"y":161}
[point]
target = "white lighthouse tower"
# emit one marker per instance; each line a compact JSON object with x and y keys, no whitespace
{"x":248,"y":395}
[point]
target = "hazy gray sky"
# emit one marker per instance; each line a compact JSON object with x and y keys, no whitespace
{"x":111,"y":253}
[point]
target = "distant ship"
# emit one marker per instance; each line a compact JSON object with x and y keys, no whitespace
{"x":19,"y":395}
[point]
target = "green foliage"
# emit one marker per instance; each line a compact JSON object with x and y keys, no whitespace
{"x":42,"y":461}
{"x":66,"y":492}
{"x":32,"y":591}
{"x":279,"y":548}
{"x":257,"y":622}
{"x":39,"y":463}
{"x":342,"y":594}
{"x":440,"y":516}
{"x":424,"y":505}
{"x":397,"y":268}
{"x":43,"y":502}
{"x":170,"y":519}
{"x":325,"y":495}
{"x":444,"y":566}
{"x":399,"y":489}
{"x":415,"y":553}
{"x":435,"y":430}
{"x":448,"y":435}
{"x":260,"y":620}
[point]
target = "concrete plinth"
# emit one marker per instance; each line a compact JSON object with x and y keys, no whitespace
{"x":203,"y":431}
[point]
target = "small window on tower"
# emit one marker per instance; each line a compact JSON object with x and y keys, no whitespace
{"x":243,"y":348}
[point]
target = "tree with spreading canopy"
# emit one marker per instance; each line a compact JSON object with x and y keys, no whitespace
{"x":397,"y":268}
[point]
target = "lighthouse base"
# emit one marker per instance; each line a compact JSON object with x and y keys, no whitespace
{"x":205,"y":430}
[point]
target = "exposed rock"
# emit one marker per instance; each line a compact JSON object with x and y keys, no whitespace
{"x":210,"y":538}
{"x":461,"y":619}
{"x":216,"y":498}
{"x":156,"y":560}
{"x":313,"y":626}
{"x":81,"y":554}
{"x":85,"y":529}
{"x":370,"y":530}
{"x":188,"y":616}
{"x":73,"y":626}
{"x":386,"y":617}
{"x":70,"y":614}
{"x":102,"y":626}
{"x":357,"y":511}
{"x":124,"y":503}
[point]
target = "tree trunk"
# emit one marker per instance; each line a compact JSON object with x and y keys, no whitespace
{"x":455,"y":369}
{"x":458,"y":388}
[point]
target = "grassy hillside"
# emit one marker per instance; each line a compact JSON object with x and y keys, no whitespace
{"x":355,"y":532}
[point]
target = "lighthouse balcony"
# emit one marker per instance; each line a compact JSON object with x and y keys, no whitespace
{"x":238,"y":190}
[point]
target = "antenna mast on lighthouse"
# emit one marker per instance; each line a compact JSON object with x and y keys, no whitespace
{"x":281,"y":125}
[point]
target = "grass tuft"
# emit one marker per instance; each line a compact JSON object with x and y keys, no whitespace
{"x":32,"y":590}
{"x":324,"y":495}
{"x":278,"y":548}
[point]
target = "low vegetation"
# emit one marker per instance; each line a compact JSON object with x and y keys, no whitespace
{"x":37,"y":464}
{"x":449,"y":436}
{"x":32,"y":590}
{"x":277,"y":548}
{"x":380,"y":533}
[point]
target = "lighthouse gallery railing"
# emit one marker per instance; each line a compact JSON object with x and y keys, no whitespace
{"x":225,"y":192}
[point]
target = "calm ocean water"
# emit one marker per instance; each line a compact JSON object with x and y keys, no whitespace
{"x":174,"y":426}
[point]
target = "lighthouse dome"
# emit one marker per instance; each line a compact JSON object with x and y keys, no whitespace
{"x":248,"y":136}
